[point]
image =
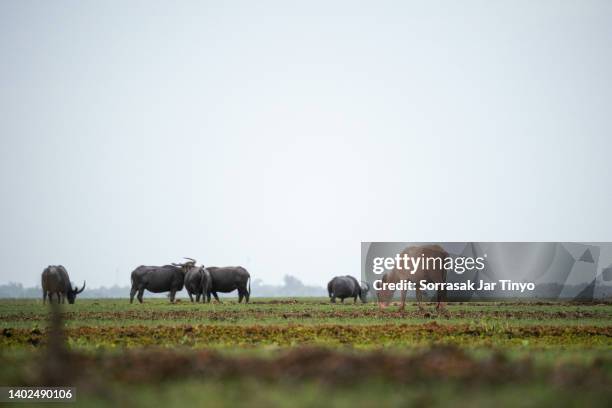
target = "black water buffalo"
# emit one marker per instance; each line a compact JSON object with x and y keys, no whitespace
{"x":55,"y":279}
{"x":347,"y":287}
{"x":158,"y":279}
{"x":198,"y":282}
{"x":228,"y":279}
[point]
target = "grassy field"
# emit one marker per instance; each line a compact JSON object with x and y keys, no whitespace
{"x":307,"y":352}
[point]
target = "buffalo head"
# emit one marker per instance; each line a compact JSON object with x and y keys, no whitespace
{"x":186,"y":266}
{"x":72,"y":293}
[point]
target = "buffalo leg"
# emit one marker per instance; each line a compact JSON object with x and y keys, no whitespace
{"x":441,"y":299}
{"x":198,"y":297}
{"x":133,"y":293}
{"x":216,"y":297}
{"x":190,"y":297}
{"x":172,"y":295}
{"x":333,"y":299}
{"x":140,"y":293}
{"x":243,"y":294}
{"x":403,"y":299}
{"x":341,"y":300}
{"x":355,"y":299}
{"x":419,"y":296}
{"x":44,"y":297}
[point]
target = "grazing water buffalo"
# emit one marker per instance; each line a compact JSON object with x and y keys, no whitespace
{"x":158,"y":279}
{"x":228,"y":279}
{"x":432,"y":271}
{"x":55,"y":280}
{"x":347,"y":287}
{"x":198,"y":282}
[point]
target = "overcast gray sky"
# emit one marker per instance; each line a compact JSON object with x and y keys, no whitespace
{"x":280,"y":136}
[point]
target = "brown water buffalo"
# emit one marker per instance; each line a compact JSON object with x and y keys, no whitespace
{"x":433,"y":272}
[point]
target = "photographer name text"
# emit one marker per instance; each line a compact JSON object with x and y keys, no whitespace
{"x":504,"y":284}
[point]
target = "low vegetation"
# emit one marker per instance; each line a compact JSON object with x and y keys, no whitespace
{"x":293,"y":352}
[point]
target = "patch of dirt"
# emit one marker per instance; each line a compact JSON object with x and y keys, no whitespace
{"x":290,"y":334}
{"x":277,"y":302}
{"x":235,"y":315}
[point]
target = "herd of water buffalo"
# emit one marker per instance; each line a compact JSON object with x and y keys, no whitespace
{"x":202,"y":281}
{"x":199,"y":281}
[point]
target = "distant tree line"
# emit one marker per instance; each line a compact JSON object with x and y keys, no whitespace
{"x":291,"y":286}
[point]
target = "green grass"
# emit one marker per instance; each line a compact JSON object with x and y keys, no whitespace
{"x":547,"y":334}
{"x":154,"y":312}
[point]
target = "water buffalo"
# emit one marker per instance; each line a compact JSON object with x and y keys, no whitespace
{"x":198,"y":282}
{"x":55,"y":279}
{"x":347,"y":287}
{"x":434,"y":272}
{"x":228,"y":279}
{"x":158,"y":279}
